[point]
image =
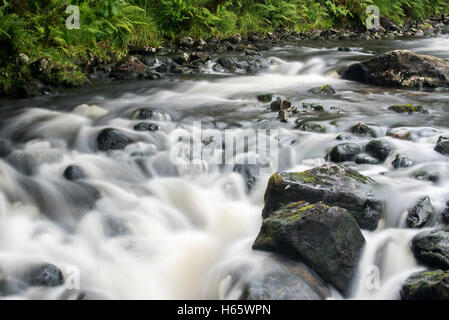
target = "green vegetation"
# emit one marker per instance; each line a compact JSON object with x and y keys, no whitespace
{"x":108,"y":28}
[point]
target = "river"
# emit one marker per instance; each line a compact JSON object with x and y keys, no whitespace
{"x":141,"y":226}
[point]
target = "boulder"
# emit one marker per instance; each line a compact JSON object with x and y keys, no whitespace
{"x":401,"y":162}
{"x":112,"y":139}
{"x":344,"y":152}
{"x":445,"y":215}
{"x":325,"y":90}
{"x":265,"y":97}
{"x":431,"y":247}
{"x":285,"y":280}
{"x":426,"y":285}
{"x":420,"y":214}
{"x":74,"y":173}
{"x":362,"y":129}
{"x":327,"y":239}
{"x":45,"y":275}
{"x":401,"y":69}
{"x":379,"y":149}
{"x":130,"y":67}
{"x":407,"y":108}
{"x":335,"y":185}
{"x":442,"y":146}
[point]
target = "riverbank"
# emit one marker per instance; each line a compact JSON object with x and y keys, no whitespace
{"x":187,"y":55}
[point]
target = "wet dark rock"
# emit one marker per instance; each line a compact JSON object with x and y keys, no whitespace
{"x":420,"y":214}
{"x":445,"y":215}
{"x":344,"y":152}
{"x":285,"y":280}
{"x":146,"y":126}
{"x":279,"y":105}
{"x":112,"y":139}
{"x":335,"y":185}
{"x":310,"y":126}
{"x":228,"y":63}
{"x":327,"y":239}
{"x":362,"y":129}
{"x":432,"y":248}
{"x":182,"y":59}
{"x":442,"y":146}
{"x":265,"y":97}
{"x":5,"y":148}
{"x":249,"y":172}
{"x":408,"y":108}
{"x":380,"y":149}
{"x":46,"y":275}
{"x":74,"y":173}
{"x":401,"y":69}
{"x":200,"y":56}
{"x":325,"y":90}
{"x":426,"y":285}
{"x":129,"y":68}
{"x":186,"y":42}
{"x":344,"y":136}
{"x":401,"y":162}
{"x":366,"y":159}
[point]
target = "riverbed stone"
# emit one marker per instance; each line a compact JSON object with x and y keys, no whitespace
{"x":45,"y":275}
{"x":431,"y":247}
{"x":326,"y":238}
{"x":401,"y":69}
{"x":130,"y":67}
{"x":325,"y":90}
{"x":344,"y":152}
{"x":401,"y":161}
{"x":335,"y":185}
{"x":426,"y":285}
{"x":280,"y":105}
{"x":379,"y":149}
{"x":408,"y":108}
{"x":112,"y":139}
{"x":420,"y":213}
{"x":362,"y":129}
{"x":442,"y":146}
{"x":285,"y":279}
{"x":74,"y":172}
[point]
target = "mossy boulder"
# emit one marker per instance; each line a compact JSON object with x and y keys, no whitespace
{"x":335,"y":185}
{"x":327,"y":239}
{"x":401,"y":69}
{"x":407,"y":108}
{"x":431,"y":247}
{"x":420,"y":213}
{"x":285,"y":279}
{"x":344,"y":152}
{"x":325,"y":90}
{"x":426,"y":285}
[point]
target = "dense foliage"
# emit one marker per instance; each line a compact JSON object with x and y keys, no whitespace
{"x":110,"y":27}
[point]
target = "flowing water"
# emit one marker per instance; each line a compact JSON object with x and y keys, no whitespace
{"x":142,"y":226}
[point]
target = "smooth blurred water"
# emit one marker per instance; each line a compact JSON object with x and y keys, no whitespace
{"x":142,"y":227}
